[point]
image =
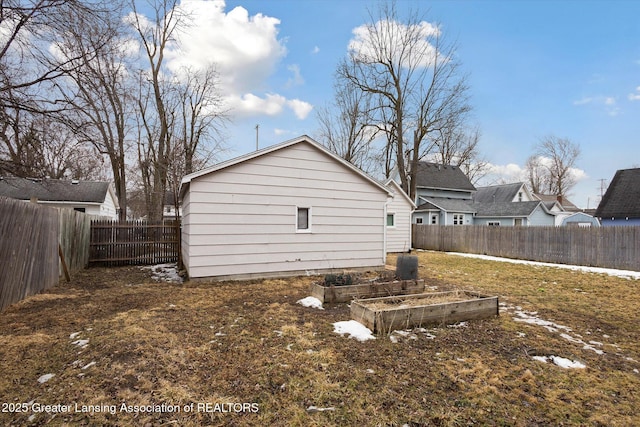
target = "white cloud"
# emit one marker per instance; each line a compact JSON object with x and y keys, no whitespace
{"x":635,"y":96}
{"x":250,"y":104}
{"x":271,"y":105}
{"x":300,"y":108}
{"x":366,"y":46}
{"x":609,"y":103}
{"x":583,"y":101}
{"x":511,"y":172}
{"x":296,"y":79}
{"x":315,"y":50}
{"x":245,"y":51}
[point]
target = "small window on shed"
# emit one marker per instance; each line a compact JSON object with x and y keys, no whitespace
{"x":391,"y":220}
{"x":303,"y":219}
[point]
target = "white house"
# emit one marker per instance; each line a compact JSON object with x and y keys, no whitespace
{"x":91,"y":197}
{"x":399,"y":211}
{"x":292,"y":208}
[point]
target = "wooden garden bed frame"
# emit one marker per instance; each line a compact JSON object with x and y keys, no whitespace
{"x":399,"y":313}
{"x":346,"y":293}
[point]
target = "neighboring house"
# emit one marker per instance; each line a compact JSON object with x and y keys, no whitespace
{"x":169,"y":207}
{"x":620,"y":204}
{"x":91,"y":197}
{"x":533,"y":213}
{"x":511,"y":205}
{"x":399,"y":212}
{"x":443,"y":195}
{"x":292,"y":208}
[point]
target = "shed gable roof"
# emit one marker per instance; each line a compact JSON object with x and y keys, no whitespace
{"x":304,"y":139}
{"x":391,"y":183}
{"x":622,"y":198}
{"x":54,"y":190}
{"x":447,"y":177}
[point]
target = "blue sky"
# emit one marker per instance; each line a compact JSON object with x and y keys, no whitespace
{"x":567,"y":68}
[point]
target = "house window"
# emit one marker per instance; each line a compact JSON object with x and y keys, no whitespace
{"x":418,"y":220}
{"x":303,"y":219}
{"x":391,"y":220}
{"x":494,"y":223}
{"x":458,"y":219}
{"x":434,"y":219}
{"x":520,"y":196}
{"x":80,"y":209}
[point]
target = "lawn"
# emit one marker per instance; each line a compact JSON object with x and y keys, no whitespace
{"x":115,"y":347}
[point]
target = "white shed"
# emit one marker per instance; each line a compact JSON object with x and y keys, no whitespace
{"x":399,"y":212}
{"x":292,"y":208}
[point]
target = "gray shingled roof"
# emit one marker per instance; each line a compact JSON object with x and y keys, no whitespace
{"x":433,"y":175}
{"x":54,"y":190}
{"x":497,"y":193}
{"x":622,"y":198}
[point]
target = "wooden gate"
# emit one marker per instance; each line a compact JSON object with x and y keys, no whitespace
{"x":115,"y":243}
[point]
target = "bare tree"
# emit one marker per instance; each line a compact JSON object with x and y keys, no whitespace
{"x":415,"y":78}
{"x":98,"y":89}
{"x":155,"y":35}
{"x":43,"y":148}
{"x":345,"y":125}
{"x":202,"y":116}
{"x":27,"y":61}
{"x":550,"y":169}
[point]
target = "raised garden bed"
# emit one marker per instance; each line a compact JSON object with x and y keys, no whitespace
{"x":369,"y":289}
{"x":384,"y":315}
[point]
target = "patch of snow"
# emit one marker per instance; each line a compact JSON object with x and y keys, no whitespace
{"x":625,"y":274}
{"x":355,"y":330}
{"x":459,"y":325}
{"x":44,"y":378}
{"x":370,"y":371}
{"x":312,"y":302}
{"x":312,"y":409}
{"x":561,"y":361}
{"x":73,"y":335}
{"x":165,"y":272}
{"x":88,"y":365}
{"x":533,"y":320}
{"x":530,"y":318}
{"x":81,"y":343}
{"x":542,"y":359}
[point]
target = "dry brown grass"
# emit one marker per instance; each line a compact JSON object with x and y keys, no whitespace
{"x":155,"y":343}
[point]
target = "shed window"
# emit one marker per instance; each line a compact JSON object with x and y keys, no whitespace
{"x":303,"y":219}
{"x":391,"y":220}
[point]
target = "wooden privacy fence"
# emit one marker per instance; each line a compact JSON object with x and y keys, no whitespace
{"x":607,"y":247}
{"x":30,"y":236}
{"x":28,"y":250}
{"x":115,"y":243}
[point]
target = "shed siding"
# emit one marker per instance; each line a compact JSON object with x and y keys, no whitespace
{"x":540,"y":217}
{"x":399,"y":236}
{"x":241,"y":220}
